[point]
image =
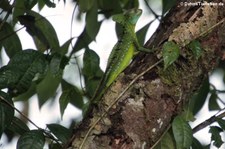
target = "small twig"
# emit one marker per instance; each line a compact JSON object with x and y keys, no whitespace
{"x":10,"y":34}
{"x":71,"y":30}
{"x":17,"y":110}
{"x":117,"y":99}
{"x":156,"y":143}
{"x":6,"y":16}
{"x":208,"y":122}
{"x":215,"y":90}
{"x":212,"y":27}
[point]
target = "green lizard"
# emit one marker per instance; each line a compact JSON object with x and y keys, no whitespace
{"x":120,"y":57}
{"x":122,"y":53}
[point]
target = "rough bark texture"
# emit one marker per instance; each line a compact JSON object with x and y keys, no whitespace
{"x":145,"y":111}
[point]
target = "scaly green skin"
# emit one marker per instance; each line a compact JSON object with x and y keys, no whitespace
{"x":122,"y":53}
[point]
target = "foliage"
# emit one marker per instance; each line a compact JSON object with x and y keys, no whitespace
{"x":40,"y":71}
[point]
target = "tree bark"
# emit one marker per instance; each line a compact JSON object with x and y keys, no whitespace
{"x":146,"y":109}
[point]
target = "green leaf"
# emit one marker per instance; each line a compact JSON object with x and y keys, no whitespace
{"x":49,"y":3}
{"x":215,"y":131}
{"x":43,"y":33}
{"x":54,"y":146}
{"x":82,"y":42}
{"x":70,"y":94}
{"x":92,"y":24}
{"x":9,"y":76}
{"x":47,"y":87}
{"x":182,"y":133}
{"x":61,"y":133}
{"x":195,"y":47}
{"x":187,"y":114}
{"x":213,"y":105}
{"x":5,"y":5}
{"x":64,"y":48}
{"x":198,"y":99}
{"x":19,"y":9}
{"x":207,"y":146}
{"x":30,"y":3}
{"x":167,"y":142}
{"x":221,"y":122}
{"x":41,"y":4}
{"x":196,"y":144}
{"x":28,"y":94}
{"x":33,"y":139}
{"x":9,"y":40}
{"x":127,"y":4}
{"x":171,"y":52}
{"x":91,"y":70}
{"x":64,"y":101}
{"x":18,"y":126}
{"x":167,"y":5}
{"x":91,"y":64}
{"x":21,"y":70}
{"x":142,"y":33}
{"x":57,"y":64}
{"x":110,"y":7}
{"x":85,"y":5}
{"x":6,"y":111}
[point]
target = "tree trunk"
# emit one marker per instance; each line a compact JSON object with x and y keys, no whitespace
{"x":144,"y":112}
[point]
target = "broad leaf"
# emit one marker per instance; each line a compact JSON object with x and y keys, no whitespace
{"x":92,"y":24}
{"x":199,"y":98}
{"x":49,"y":3}
{"x":9,"y":40}
{"x":182,"y":133}
{"x":28,"y":94}
{"x":171,"y":52}
{"x":195,"y":47}
{"x":61,"y":133}
{"x":167,"y":5}
{"x":64,"y":48}
{"x":43,"y":33}
{"x":47,"y":87}
{"x":19,"y":9}
{"x":42,"y":3}
{"x":70,"y":94}
{"x":18,"y":126}
{"x":91,"y":64}
{"x":196,"y":144}
{"x":5,"y":5}
{"x":19,"y":73}
{"x":213,"y":105}
{"x":85,"y":5}
{"x":82,"y":42}
{"x":33,"y":139}
{"x":57,"y":64}
{"x":9,"y":76}
{"x":91,"y":70}
{"x":30,"y":3}
{"x":6,"y":111}
{"x":167,"y":142}
{"x":142,"y":33}
{"x":221,"y":122}
{"x":110,"y":7}
{"x":216,"y":138}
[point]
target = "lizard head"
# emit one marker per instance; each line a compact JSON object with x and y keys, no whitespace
{"x":130,"y":16}
{"x":133,"y":15}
